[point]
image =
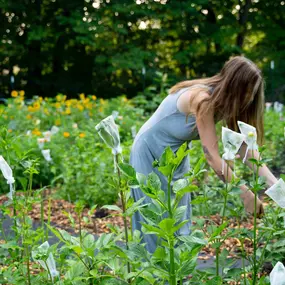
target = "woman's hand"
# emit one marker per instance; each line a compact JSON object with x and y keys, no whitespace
{"x":248,"y":200}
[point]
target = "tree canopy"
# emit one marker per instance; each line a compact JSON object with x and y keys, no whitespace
{"x":102,"y":47}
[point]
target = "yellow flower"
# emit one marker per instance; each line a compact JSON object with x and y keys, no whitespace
{"x":31,"y":109}
{"x":82,"y":135}
{"x":68,"y":111}
{"x":80,"y":107}
{"x":37,"y":105}
{"x":101,"y":109}
{"x":29,"y":116}
{"x":36,"y":132}
{"x":82,"y":96}
{"x":86,"y":100}
{"x":94,"y":97}
{"x":19,"y":100}
{"x":22,"y":93}
{"x":58,"y":98}
{"x":89,"y":106}
{"x":57,"y":122}
{"x":66,"y":134}
{"x":57,"y":105}
{"x":14,"y":93}
{"x":10,"y":131}
{"x":46,"y":111}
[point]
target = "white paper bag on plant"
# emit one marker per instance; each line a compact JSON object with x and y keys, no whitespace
{"x":277,"y":193}
{"x":277,"y":275}
{"x":8,"y":175}
{"x":108,"y":131}
{"x":250,"y":137}
{"x":45,"y":259}
{"x":46,"y":155}
{"x":232,"y":141}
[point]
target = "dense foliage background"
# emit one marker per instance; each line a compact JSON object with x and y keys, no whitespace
{"x":115,"y":47}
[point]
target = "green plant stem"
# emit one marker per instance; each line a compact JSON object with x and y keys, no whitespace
{"x":42,"y":214}
{"x":225,"y":196}
{"x":15,"y":211}
{"x":172,"y":264}
{"x":80,"y":231}
{"x":255,"y":180}
{"x":124,"y":209}
{"x":28,"y":263}
{"x":169,"y":196}
{"x":243,"y":263}
{"x":171,"y":241}
{"x":254,"y":241}
{"x":26,"y":246}
{"x":48,"y":271}
{"x":223,"y":218}
{"x":267,"y":241}
{"x":49,"y":215}
{"x":243,"y":255}
{"x":80,"y":258}
{"x":30,"y":185}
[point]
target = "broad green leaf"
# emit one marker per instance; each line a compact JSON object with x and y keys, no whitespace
{"x":153,"y":181}
{"x":166,"y":157}
{"x":128,"y":170}
{"x":141,"y":178}
{"x":179,"y":212}
{"x":148,"y":229}
{"x":181,"y":153}
{"x":135,"y":207}
{"x":159,"y":253}
{"x":180,"y":184}
{"x":191,"y":240}
{"x":199,"y":200}
{"x":187,"y":268}
{"x":149,"y":191}
{"x":166,"y":170}
{"x":199,"y":165}
{"x":112,"y":207}
{"x":218,"y":230}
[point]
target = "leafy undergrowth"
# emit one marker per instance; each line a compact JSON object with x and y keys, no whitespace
{"x":103,"y":220}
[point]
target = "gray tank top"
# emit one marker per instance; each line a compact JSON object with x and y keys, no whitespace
{"x":168,"y":126}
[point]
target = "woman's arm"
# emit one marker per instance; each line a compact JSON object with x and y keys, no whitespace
{"x":209,"y":140}
{"x":263,"y":170}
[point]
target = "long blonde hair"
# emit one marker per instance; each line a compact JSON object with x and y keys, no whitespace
{"x":238,"y":94}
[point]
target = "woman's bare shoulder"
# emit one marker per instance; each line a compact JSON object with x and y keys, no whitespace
{"x":193,"y":95}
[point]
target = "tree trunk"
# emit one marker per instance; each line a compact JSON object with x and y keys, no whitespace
{"x":243,"y":17}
